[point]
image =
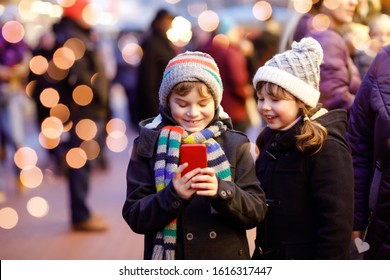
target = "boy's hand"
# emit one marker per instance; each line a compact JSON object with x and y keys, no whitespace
{"x":205,"y":183}
{"x":182,"y":184}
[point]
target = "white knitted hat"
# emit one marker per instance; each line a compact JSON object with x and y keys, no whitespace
{"x":191,"y":67}
{"x":296,"y":70}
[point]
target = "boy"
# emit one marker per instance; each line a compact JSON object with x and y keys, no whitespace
{"x":203,"y":214}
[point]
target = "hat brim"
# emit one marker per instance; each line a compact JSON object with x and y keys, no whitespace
{"x":303,"y":91}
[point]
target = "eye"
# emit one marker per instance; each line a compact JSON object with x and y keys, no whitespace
{"x":260,"y":98}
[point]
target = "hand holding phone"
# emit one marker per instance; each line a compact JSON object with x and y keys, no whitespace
{"x":195,"y":155}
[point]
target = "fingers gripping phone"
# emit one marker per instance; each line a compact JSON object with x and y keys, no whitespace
{"x":195,"y":155}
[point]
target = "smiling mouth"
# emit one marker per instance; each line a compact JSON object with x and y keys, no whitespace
{"x":192,"y":122}
{"x":270,"y":117}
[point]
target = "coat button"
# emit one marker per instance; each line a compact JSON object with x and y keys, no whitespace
{"x":273,"y":144}
{"x":189,"y":236}
{"x":176,"y":204}
{"x":229,"y":192}
{"x":223,"y":193}
{"x":212,"y":234}
{"x":240,"y":252}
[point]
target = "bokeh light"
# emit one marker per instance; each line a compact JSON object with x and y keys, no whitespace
{"x":117,"y":141}
{"x":25,"y":157}
{"x":49,"y":97}
{"x":321,"y":22}
{"x":180,"y":34}
{"x":76,"y":158}
{"x":48,"y":143}
{"x":91,"y":148}
{"x":13,"y":31}
{"x":262,"y":10}
{"x":196,"y":8}
{"x":38,"y":207}
{"x":208,"y":21}
{"x":302,"y":6}
{"x":8,"y":218}
{"x":31,"y":177}
{"x":116,"y":124}
{"x":132,"y":53}
{"x":56,"y":73}
{"x":61,"y":112}
{"x":77,"y":46}
{"x":66,"y":3}
{"x":52,"y":127}
{"x":332,"y":4}
{"x":92,"y":14}
{"x":86,"y":129}
{"x":82,"y":95}
{"x":39,"y":65}
{"x":64,"y":58}
{"x":221,"y":40}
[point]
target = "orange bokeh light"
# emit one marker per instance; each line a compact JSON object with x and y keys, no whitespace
{"x":39,"y":65}
{"x":86,"y":129}
{"x":49,"y":97}
{"x":76,"y":158}
{"x":82,"y":95}
{"x":13,"y":31}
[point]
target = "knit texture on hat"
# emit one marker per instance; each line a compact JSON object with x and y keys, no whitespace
{"x":296,"y":70}
{"x":167,"y":160}
{"x":191,"y":67}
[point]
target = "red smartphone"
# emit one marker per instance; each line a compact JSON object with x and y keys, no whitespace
{"x":195,"y":155}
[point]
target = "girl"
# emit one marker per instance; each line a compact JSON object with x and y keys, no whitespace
{"x":304,"y":165}
{"x":203,"y":214}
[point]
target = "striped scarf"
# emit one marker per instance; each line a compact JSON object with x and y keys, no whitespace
{"x":167,"y":160}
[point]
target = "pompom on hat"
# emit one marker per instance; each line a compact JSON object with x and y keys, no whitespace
{"x":191,"y":67}
{"x":296,"y":70}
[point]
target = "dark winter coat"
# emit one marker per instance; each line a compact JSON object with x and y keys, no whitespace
{"x":157,"y":52}
{"x":310,"y":197}
{"x":207,"y":227}
{"x":368,"y":135}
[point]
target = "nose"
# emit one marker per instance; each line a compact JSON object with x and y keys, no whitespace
{"x":263,"y":105}
{"x":193,"y":111}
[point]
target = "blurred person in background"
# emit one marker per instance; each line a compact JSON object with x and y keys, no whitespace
{"x":340,"y":78}
{"x":14,"y":57}
{"x":368,"y":134}
{"x":85,"y":76}
{"x":127,"y":74}
{"x":366,"y":10}
{"x":224,"y":47}
{"x":157,"y":51}
{"x":379,"y":34}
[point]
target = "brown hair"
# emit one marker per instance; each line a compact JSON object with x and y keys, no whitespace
{"x":312,"y":134}
{"x":183,"y":88}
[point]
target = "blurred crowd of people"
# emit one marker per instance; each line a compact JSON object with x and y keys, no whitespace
{"x":78,"y":87}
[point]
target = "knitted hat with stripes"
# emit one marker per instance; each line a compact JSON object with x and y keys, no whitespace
{"x":191,"y":67}
{"x":296,"y":70}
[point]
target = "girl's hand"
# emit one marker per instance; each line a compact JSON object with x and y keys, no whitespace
{"x":182,"y":184}
{"x":205,"y":183}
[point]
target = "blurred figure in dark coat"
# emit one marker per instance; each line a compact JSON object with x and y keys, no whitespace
{"x":157,"y":51}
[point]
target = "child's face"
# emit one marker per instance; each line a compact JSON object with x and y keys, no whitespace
{"x":192,"y":111}
{"x":278,"y":112}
